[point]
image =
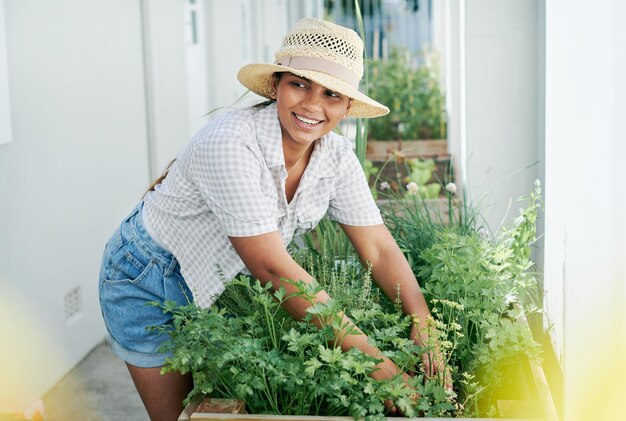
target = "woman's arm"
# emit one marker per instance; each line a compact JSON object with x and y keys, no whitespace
{"x":392,"y":272}
{"x":390,"y":269}
{"x":268,"y":260}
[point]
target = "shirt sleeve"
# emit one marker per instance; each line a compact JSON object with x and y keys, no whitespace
{"x":352,"y":203}
{"x":234,"y":182}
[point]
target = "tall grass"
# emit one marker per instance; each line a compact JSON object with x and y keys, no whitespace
{"x":361,"y":123}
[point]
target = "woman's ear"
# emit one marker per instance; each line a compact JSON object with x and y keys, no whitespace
{"x":345,"y":115}
{"x":275,"y":81}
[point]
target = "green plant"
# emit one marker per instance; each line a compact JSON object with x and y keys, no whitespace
{"x":328,"y":242}
{"x":478,"y":283}
{"x":413,"y":95}
{"x":420,"y":173}
{"x":283,"y":366}
{"x":402,"y":177}
{"x":370,"y":171}
{"x":361,"y":123}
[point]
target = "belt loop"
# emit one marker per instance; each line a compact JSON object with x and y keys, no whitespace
{"x":170,"y":269}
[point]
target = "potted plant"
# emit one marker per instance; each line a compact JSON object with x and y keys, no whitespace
{"x":416,"y":124}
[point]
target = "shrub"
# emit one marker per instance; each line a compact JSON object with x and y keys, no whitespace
{"x":413,"y":95}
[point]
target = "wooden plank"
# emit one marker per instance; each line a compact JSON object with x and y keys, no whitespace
{"x":543,"y":390}
{"x":426,"y":148}
{"x":383,"y":150}
{"x":541,"y":384}
{"x":517,"y":408}
{"x":203,"y":407}
{"x":222,"y":406}
{"x":190,"y":409}
{"x":257,"y":417}
{"x":251,"y":417}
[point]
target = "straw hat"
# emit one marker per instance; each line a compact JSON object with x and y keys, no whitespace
{"x":323,"y":52}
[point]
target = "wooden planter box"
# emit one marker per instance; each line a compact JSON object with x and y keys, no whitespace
{"x":529,"y":399}
{"x":383,"y":150}
{"x":390,"y":156}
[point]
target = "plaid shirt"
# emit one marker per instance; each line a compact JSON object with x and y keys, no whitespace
{"x":230,"y":181}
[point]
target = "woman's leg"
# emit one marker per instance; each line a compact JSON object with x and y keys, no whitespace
{"x":162,"y":395}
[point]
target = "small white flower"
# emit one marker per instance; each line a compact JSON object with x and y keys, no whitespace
{"x":451,"y":188}
{"x":510,"y":298}
{"x":384,"y":186}
{"x":412,"y":187}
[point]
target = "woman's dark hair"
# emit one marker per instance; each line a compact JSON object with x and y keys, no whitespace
{"x":264,"y":103}
{"x":160,"y":179}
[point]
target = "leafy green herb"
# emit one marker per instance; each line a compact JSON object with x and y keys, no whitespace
{"x":282,"y":366}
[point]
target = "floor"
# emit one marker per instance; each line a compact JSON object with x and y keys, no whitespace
{"x":99,"y":388}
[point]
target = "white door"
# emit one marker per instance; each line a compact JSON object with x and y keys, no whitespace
{"x":197,"y":71}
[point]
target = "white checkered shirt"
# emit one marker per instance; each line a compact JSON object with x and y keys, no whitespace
{"x":230,"y":181}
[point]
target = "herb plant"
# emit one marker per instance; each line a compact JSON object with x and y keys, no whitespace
{"x":282,"y":366}
{"x":476,"y":284}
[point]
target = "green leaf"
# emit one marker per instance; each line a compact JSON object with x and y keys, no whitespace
{"x":311,"y":366}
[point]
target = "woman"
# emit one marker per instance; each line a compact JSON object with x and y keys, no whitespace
{"x":235,"y":197}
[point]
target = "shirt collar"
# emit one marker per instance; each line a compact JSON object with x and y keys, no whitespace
{"x":268,"y":135}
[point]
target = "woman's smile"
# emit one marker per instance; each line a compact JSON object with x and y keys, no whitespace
{"x":307,"y":122}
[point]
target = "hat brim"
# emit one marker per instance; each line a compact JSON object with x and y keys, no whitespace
{"x":258,"y":78}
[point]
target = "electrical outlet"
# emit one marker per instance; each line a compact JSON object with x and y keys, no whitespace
{"x":73,"y":307}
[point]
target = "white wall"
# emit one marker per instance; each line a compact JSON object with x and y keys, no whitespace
{"x":163,"y":30}
{"x":298,"y":9}
{"x":232,"y":21}
{"x":585,"y":205}
{"x":501,"y":104}
{"x":75,"y":167}
{"x":197,"y":64}
{"x":452,"y":39}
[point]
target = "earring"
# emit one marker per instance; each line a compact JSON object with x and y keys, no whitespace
{"x":273,"y":94}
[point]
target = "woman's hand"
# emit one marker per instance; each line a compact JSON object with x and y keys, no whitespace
{"x":390,"y":406}
{"x":434,"y":360}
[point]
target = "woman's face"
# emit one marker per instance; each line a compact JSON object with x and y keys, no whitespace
{"x":307,"y":110}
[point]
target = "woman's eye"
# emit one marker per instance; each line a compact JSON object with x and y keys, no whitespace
{"x":298,"y":84}
{"x":333,"y":94}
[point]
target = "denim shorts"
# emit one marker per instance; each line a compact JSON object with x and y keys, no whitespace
{"x":136,"y":271}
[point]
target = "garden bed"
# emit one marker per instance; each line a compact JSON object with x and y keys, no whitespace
{"x":526,"y":397}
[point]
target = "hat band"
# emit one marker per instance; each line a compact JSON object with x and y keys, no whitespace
{"x":321,"y":65}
